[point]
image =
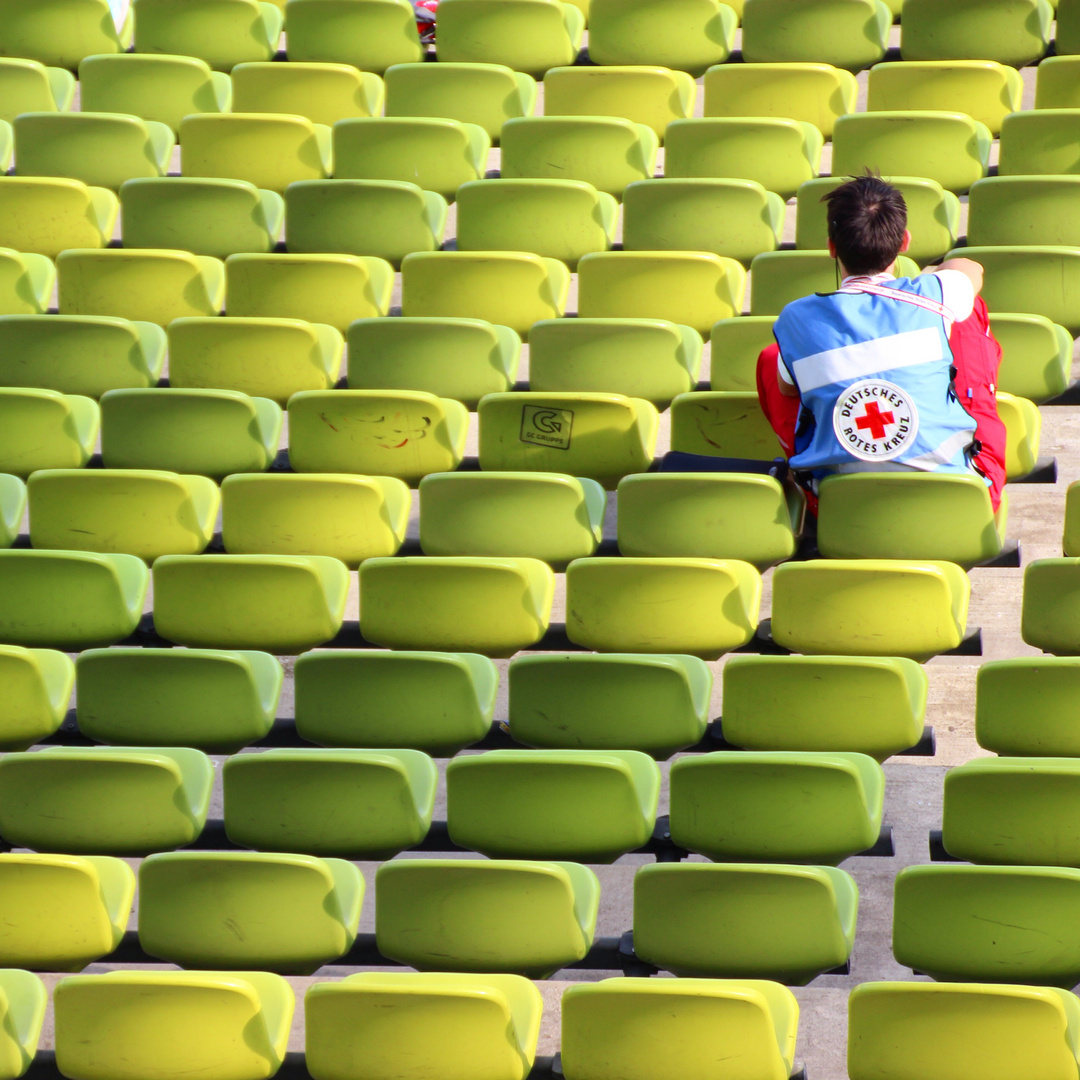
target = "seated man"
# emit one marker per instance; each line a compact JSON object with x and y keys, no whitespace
{"x":886,"y":373}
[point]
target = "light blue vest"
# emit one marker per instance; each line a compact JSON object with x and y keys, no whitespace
{"x":874,"y":375}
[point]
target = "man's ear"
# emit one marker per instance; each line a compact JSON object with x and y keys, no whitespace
{"x":832,"y":248}
{"x":906,"y":242}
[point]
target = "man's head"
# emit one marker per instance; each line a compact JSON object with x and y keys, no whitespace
{"x":867,"y":224}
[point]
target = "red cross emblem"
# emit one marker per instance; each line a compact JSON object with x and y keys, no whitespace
{"x":875,"y":420}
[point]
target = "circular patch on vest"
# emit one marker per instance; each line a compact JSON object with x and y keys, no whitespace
{"x":875,"y":420}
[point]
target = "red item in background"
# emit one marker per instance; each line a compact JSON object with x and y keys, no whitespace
{"x":425,"y":19}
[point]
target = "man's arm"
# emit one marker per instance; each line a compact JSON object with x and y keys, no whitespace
{"x":972,"y":270}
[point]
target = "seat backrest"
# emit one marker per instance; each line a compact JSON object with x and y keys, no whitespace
{"x":1036,"y":356}
{"x":1040,"y":141}
{"x":48,"y":143}
{"x":1014,"y":33}
{"x":57,"y":32}
{"x":371,"y":34}
{"x":216,"y":28}
{"x":25,"y":690}
{"x":24,"y":87}
{"x":484,"y":94}
{"x":164,"y":88}
{"x":849,"y":33}
{"x":46,"y":214}
{"x":324,"y":93}
{"x":722,"y":424}
{"x":1056,"y":84}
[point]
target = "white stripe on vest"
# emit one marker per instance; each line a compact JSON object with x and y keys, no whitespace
{"x":865,"y":358}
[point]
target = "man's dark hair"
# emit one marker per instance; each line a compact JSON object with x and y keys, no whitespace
{"x":867,"y":218}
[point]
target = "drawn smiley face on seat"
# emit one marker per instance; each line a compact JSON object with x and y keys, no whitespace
{"x":393,"y":431}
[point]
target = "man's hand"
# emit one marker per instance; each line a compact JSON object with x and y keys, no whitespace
{"x":968,"y":267}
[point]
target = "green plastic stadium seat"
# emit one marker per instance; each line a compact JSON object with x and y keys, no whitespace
{"x":678,"y":1029}
{"x":1049,"y":618}
{"x":127,"y":1025}
{"x":26,"y":282}
{"x":28,"y":86}
{"x":1007,"y":210}
{"x":161,"y":88}
{"x":1036,"y":356}
{"x":268,"y":358}
{"x":778,"y":154}
{"x":1023,"y":426}
{"x":100,"y":801}
{"x":486,"y":95}
{"x":804,"y":703}
{"x":493,"y":606}
{"x":948,"y":147}
{"x":436,"y":154}
{"x":933,"y":215}
{"x":784,"y":807}
{"x":12,"y":508}
{"x":402,"y":433}
{"x":352,"y":803}
{"x":812,"y":93}
{"x":210,"y":432}
{"x":1027,"y":706}
{"x":653,"y":96}
{"x":332,"y":289}
{"x":101,"y":149}
{"x":1056,"y":85}
{"x":704,"y":607}
{"x":736,"y":344}
{"x":788,"y":923}
{"x":148,"y":284}
{"x":24,"y":998}
{"x":455,"y":358}
{"x":915,"y":1030}
{"x":45,"y":215}
{"x":62,"y":912}
{"x":850,"y":34}
{"x":736,"y":218}
{"x":431,"y":701}
{"x":371,"y":34}
{"x":379,"y":1025}
{"x":585,"y":805}
{"x":324,"y":93}
{"x":223,"y":33}
{"x":37,"y":690}
{"x":126,"y":511}
{"x":1038,"y":142}
{"x":1067,"y":38}
{"x":61,"y":32}
{"x":521,"y":918}
{"x":605,"y":151}
{"x":42,"y":429}
{"x":692,"y":288}
{"x":642,"y":358}
{"x":1015,"y":33}
{"x":281,"y":604}
{"x":548,"y":516}
{"x":1071,"y":537}
{"x":214,"y":701}
{"x":603,"y":437}
{"x":385,"y":218}
{"x":722,"y":423}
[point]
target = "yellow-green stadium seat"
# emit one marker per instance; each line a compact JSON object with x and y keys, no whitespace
{"x":605,"y":151}
{"x":801,"y":703}
{"x":23,"y":997}
{"x":526,"y":35}
{"x":386,"y":218}
{"x":332,"y":289}
{"x":784,"y":807}
{"x":359,"y":804}
{"x":12,"y":508}
{"x":1056,"y":85}
{"x":779,"y":154}
{"x":736,"y":218}
{"x":61,"y":32}
{"x":98,"y":148}
{"x":223,"y":33}
{"x":548,"y":516}
{"x":1038,"y":142}
{"x":692,"y":288}
{"x":43,"y":429}
{"x":379,"y":1025}
{"x":870,"y":607}
{"x":1050,"y":620}
{"x":214,"y":701}
{"x":850,"y":34}
{"x":127,"y":1025}
{"x":813,"y":93}
{"x":161,"y":88}
{"x":29,"y":86}
{"x":736,"y":344}
{"x":371,"y":35}
{"x":129,"y":511}
{"x":486,"y":95}
{"x":1071,"y":538}
{"x":45,"y":215}
{"x":704,"y":607}
{"x":37,"y":690}
{"x":722,"y":423}
{"x":350,"y":518}
{"x":787,"y":923}
{"x":450,"y":357}
{"x":492,"y":606}
{"x":433,"y":701}
{"x":269,"y":358}
{"x":436,"y":154}
{"x":281,"y":604}
{"x":915,"y":1030}
{"x":948,"y":147}
{"x":1027,"y":706}
{"x":678,"y":1029}
{"x":1023,"y":426}
{"x":642,"y":358}
{"x":1067,"y":38}
{"x":210,"y":432}
{"x":103,"y":801}
{"x":585,"y":805}
{"x":62,"y":912}
{"x":26,"y":282}
{"x":1015,"y":34}
{"x":988,"y":923}
{"x":1007,"y":210}
{"x":649,"y":95}
{"x":324,"y":93}
{"x":145,"y":284}
{"x":521,"y":918}
{"x":1036,"y":356}
{"x":933,"y":215}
